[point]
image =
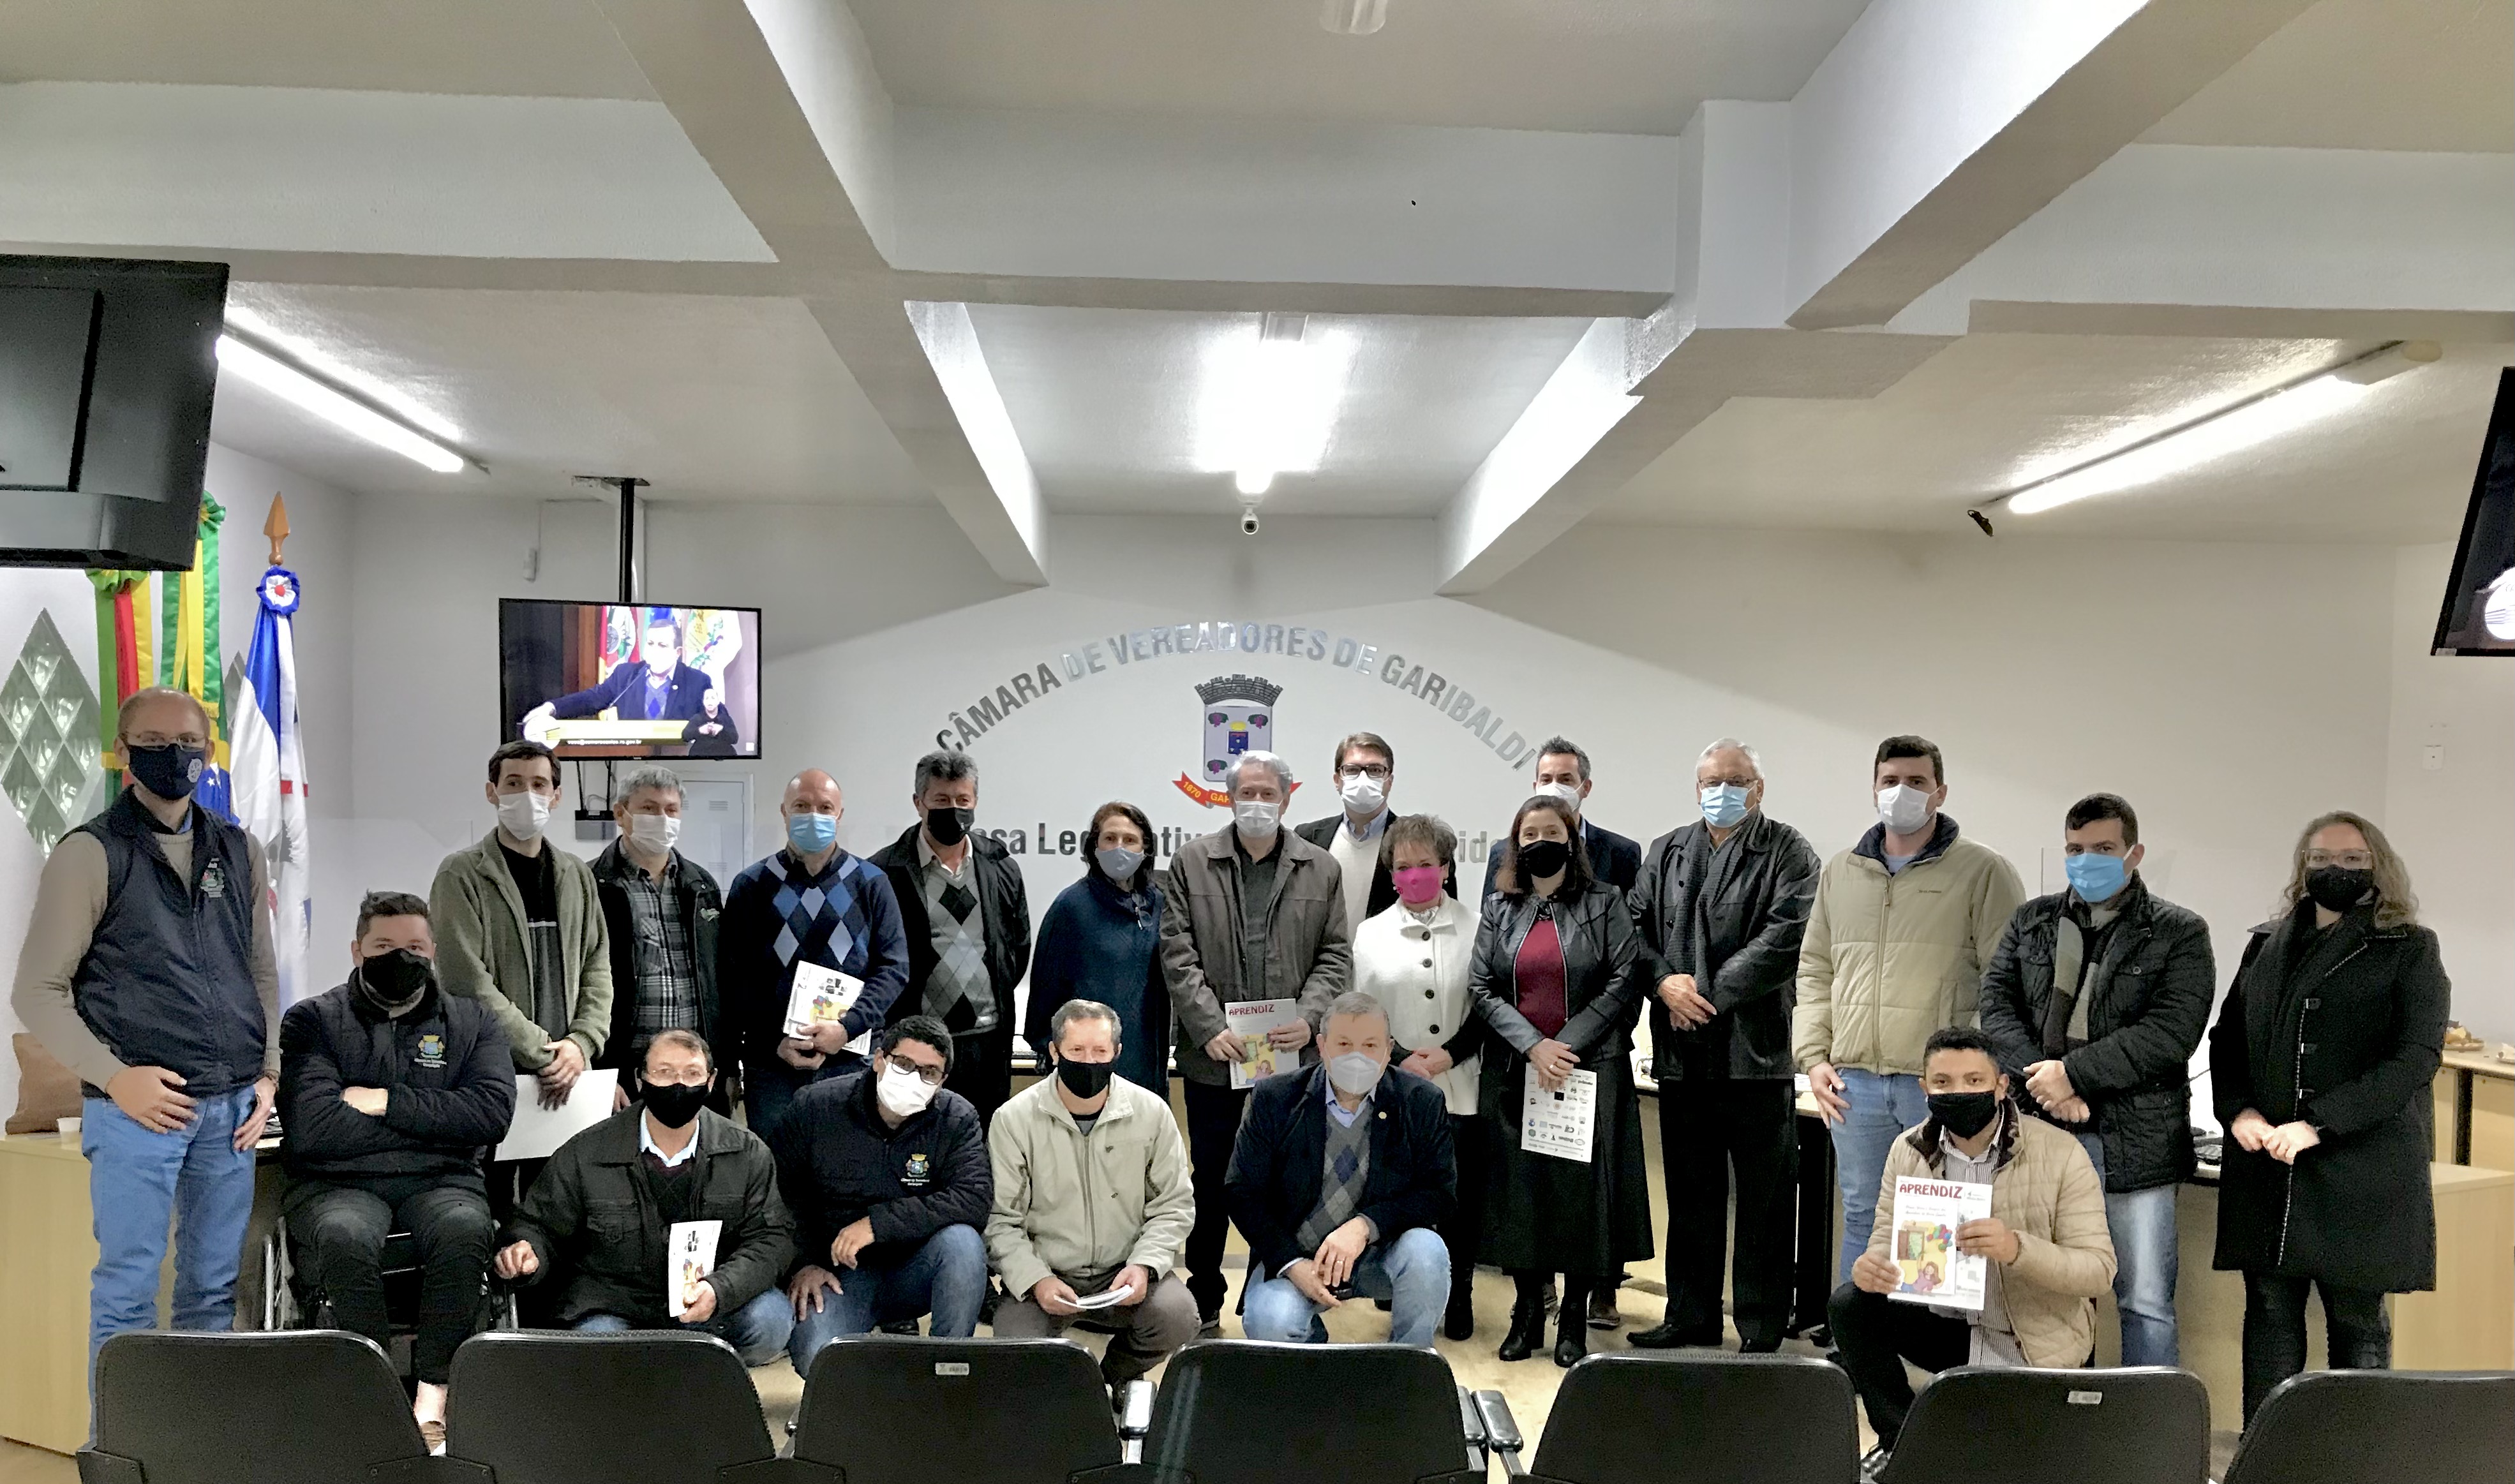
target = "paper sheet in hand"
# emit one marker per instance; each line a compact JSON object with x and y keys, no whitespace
{"x":1923,"y":1244}
{"x":1559,"y":1124}
{"x":538,"y":1131}
{"x":1107,"y":1299}
{"x":820,"y":997}
{"x":1251,"y":1020}
{"x":689,"y":1255}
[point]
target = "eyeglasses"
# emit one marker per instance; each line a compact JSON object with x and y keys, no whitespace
{"x":1371,"y":771}
{"x":931,"y":1075}
{"x":2347,"y":860}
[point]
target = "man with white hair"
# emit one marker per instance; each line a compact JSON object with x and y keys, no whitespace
{"x":1720,"y":906}
{"x":660,"y":908}
{"x":1251,"y":912}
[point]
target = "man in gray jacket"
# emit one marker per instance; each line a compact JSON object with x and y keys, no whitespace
{"x":1251,"y":912}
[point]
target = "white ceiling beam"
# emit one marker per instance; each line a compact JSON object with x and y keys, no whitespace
{"x":1936,"y":126}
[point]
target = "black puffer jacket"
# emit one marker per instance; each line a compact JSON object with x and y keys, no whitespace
{"x":2149,"y":1007}
{"x":445,"y":1069}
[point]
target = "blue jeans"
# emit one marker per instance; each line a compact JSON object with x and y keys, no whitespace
{"x":136,"y":1181}
{"x":1413,"y":1273}
{"x":947,"y":1278}
{"x":756,"y":1330}
{"x":2146,"y":1261}
{"x":1883,"y":1104}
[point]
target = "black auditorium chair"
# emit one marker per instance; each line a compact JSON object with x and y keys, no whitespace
{"x":2142,"y":1425}
{"x":892,"y":1411}
{"x":545,"y":1408}
{"x":310,"y":1407}
{"x":1718,"y":1419}
{"x":1255,"y":1411}
{"x":2382,"y":1427}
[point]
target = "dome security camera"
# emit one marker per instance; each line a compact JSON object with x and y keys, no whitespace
{"x":1249,"y":522}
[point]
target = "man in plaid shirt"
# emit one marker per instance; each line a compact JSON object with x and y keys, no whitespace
{"x":662,"y":910}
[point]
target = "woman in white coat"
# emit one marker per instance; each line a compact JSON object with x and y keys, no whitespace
{"x":1412,"y":959}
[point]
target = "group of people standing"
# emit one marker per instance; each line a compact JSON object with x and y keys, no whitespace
{"x":883,"y":1168}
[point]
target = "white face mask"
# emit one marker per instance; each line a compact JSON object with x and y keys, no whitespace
{"x":1364,"y":794}
{"x":1569,"y":793}
{"x":1903,"y":809}
{"x":1354,"y":1074}
{"x":901,"y":1093}
{"x":654,"y":833}
{"x":1257,"y":817}
{"x":523,"y":814}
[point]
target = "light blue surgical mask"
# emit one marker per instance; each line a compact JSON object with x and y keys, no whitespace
{"x":2095,"y":877}
{"x":1725,"y":804}
{"x":811,"y":834}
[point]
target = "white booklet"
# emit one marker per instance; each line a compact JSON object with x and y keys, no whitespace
{"x":1107,"y":1298}
{"x":820,"y":997}
{"x":538,"y":1131}
{"x":1923,"y":1243}
{"x":1251,"y":1020}
{"x":689,"y":1255}
{"x":1559,"y":1123}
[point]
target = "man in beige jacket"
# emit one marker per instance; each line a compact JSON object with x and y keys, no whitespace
{"x":1895,"y":946}
{"x":1092,"y":1198}
{"x":2045,"y":1247}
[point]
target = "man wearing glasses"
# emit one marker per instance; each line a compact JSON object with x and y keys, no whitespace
{"x":147,"y":970}
{"x":1366,"y":766}
{"x":887,"y":1173}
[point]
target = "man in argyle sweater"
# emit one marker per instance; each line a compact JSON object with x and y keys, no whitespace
{"x":816,"y":904}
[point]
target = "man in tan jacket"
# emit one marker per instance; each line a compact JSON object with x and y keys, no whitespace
{"x":2045,"y":1245}
{"x":1091,"y":1199}
{"x":1895,"y":946}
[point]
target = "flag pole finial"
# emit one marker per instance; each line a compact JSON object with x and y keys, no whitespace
{"x":275,"y":526}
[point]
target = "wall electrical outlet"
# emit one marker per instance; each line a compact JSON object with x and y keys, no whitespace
{"x":2432,"y":758}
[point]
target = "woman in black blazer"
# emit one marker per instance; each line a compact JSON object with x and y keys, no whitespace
{"x":2320,"y":1064}
{"x":1558,"y":977}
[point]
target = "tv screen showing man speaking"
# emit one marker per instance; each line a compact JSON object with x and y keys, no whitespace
{"x":595,"y":679}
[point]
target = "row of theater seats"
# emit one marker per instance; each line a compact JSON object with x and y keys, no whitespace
{"x":322,"y":1407}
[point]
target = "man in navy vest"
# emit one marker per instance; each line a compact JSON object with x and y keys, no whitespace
{"x":147,"y":970}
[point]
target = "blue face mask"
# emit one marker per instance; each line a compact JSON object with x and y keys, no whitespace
{"x":1725,"y":804}
{"x":811,"y":834}
{"x":2095,"y":877}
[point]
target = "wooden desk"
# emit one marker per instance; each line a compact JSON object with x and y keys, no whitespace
{"x":47,"y":1251}
{"x":2475,"y":1111}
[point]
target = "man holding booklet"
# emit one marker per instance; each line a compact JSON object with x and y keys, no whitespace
{"x":1091,"y":1202}
{"x":1254,"y":934}
{"x":626,"y":1213}
{"x":1996,"y":1250}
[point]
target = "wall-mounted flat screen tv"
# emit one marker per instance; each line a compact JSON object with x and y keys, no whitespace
{"x":598,"y":680}
{"x":2479,"y":615}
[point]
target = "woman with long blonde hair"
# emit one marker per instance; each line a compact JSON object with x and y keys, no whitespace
{"x":2321,"y":1063}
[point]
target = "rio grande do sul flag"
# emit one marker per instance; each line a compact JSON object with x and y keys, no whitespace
{"x":269,"y":772}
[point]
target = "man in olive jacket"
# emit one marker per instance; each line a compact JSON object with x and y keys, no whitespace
{"x":1251,"y":912}
{"x":601,"y":1213}
{"x":2097,"y":1000}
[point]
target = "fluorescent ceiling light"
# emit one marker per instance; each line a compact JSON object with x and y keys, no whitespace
{"x":2232,"y":429}
{"x":1268,"y":400}
{"x":288,"y":382}
{"x":314,"y":358}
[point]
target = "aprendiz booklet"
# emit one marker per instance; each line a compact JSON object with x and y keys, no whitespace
{"x":820,"y":997}
{"x":1251,"y":1020}
{"x":689,"y":1255}
{"x":1923,"y":1243}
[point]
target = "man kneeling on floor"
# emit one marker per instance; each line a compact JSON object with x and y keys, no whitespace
{"x":390,"y":1092}
{"x":2045,"y":1242}
{"x":601,"y":1213}
{"x":886,"y":1170}
{"x":1093,"y":1199}
{"x":1343,"y":1172}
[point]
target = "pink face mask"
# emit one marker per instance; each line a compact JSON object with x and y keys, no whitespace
{"x":1418,"y":885}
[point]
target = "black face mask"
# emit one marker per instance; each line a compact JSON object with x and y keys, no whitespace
{"x":171,"y":771}
{"x":1964,"y":1114}
{"x":1542,"y":859}
{"x":1085,"y":1079}
{"x":948,"y":825}
{"x":675,"y":1103}
{"x":2338,"y":888}
{"x":395,"y":982}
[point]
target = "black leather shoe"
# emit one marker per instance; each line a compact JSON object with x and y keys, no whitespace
{"x":1459,"y":1320}
{"x":1571,"y":1341}
{"x":1667,"y":1337}
{"x":1526,"y":1333}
